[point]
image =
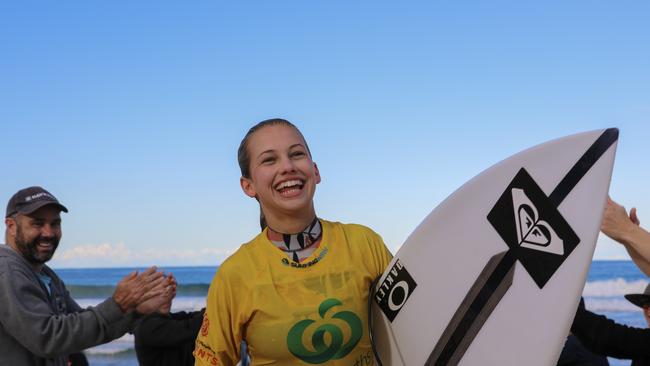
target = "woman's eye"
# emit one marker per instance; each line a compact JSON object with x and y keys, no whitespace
{"x":268,"y":160}
{"x":297,"y":154}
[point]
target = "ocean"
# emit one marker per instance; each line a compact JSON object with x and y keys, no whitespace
{"x":607,"y":282}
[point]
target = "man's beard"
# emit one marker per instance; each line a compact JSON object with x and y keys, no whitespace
{"x":29,"y":250}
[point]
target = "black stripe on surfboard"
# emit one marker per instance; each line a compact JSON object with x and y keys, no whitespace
{"x":582,"y":166}
{"x":459,"y":334}
{"x":472,"y":313}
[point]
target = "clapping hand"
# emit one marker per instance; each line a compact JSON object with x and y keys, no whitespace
{"x":161,"y":302}
{"x":137,"y":288}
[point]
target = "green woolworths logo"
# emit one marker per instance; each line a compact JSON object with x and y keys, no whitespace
{"x":325,"y":351}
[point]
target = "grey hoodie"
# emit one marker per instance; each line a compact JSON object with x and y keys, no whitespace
{"x":41,"y":329}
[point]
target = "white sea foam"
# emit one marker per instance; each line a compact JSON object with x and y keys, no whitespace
{"x":188,"y":303}
{"x":119,"y":345}
{"x":608,"y":295}
{"x":599,"y":305}
{"x":614,"y":288}
{"x":84,"y":303}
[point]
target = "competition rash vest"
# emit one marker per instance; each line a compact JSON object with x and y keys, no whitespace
{"x":308,"y":313}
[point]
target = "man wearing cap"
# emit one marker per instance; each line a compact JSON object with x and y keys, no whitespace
{"x":606,"y":337}
{"x":40,"y":324}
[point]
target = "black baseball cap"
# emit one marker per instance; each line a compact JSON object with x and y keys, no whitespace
{"x":31,"y":199}
{"x":640,"y":300}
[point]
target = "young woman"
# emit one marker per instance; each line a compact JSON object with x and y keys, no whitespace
{"x":297,"y":293}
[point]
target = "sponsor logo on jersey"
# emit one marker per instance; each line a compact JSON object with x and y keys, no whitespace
{"x":205,"y":325}
{"x":205,"y":353}
{"x":327,"y":338}
{"x":293,"y":264}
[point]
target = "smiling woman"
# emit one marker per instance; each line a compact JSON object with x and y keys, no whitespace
{"x":278,"y":171}
{"x":298,"y":291}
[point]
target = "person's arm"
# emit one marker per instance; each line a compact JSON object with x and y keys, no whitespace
{"x":606,"y":337}
{"x":638,"y":259}
{"x":158,"y":330}
{"x":114,"y":329}
{"x":157,"y":289}
{"x":26,"y":315}
{"x":637,"y":244}
{"x":627,"y":231}
{"x":220,"y":334}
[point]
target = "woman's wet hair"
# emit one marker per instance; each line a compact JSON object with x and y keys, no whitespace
{"x":244,"y":158}
{"x":263,"y":224}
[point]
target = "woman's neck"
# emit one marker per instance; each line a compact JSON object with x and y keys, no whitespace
{"x":298,"y":246}
{"x":289,"y":224}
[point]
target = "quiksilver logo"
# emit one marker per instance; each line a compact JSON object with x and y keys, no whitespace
{"x":395,"y":290}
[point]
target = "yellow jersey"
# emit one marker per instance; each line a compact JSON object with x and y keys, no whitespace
{"x":307,"y":313}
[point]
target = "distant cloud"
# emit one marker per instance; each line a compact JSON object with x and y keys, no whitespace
{"x":104,"y":251}
{"x":120,"y":255}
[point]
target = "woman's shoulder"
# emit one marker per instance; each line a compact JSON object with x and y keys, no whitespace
{"x":353,"y":232}
{"x":349,"y":227}
{"x":243,"y":258}
{"x":363,"y":241}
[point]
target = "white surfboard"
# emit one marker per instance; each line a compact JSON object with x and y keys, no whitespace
{"x":493,"y":275}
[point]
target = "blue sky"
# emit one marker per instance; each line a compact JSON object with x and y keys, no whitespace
{"x":131,"y":112}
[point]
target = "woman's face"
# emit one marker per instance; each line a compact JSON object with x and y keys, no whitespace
{"x":282,"y":175}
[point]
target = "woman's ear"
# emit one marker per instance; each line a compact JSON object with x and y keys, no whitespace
{"x":316,"y":173}
{"x":247,"y":187}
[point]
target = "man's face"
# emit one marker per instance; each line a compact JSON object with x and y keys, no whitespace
{"x":37,"y":235}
